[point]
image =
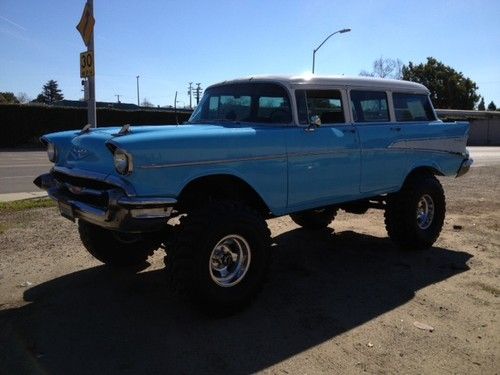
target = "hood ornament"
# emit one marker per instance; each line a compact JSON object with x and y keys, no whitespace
{"x":124,"y":130}
{"x":86,"y":129}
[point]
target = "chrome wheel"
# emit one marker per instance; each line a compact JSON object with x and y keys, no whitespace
{"x":425,"y":211}
{"x":229,"y":260}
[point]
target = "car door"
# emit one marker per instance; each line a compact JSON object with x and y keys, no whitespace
{"x":382,"y":165}
{"x":323,"y":160}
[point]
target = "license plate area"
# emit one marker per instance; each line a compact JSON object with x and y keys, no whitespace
{"x":67,"y":211}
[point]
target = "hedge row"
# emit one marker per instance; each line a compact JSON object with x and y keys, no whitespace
{"x":22,"y":125}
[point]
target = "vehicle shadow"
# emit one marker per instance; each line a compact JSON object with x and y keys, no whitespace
{"x":320,"y":285}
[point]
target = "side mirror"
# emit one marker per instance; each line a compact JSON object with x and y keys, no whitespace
{"x":315,"y":121}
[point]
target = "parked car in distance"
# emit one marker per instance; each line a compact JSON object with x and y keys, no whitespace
{"x":254,"y":149}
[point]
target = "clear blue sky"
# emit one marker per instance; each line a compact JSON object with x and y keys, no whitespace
{"x":169,"y":43}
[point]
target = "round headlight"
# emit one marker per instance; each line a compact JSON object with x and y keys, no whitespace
{"x":122,"y":162}
{"x":51,"y":152}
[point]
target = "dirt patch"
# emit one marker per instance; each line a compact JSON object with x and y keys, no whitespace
{"x":343,"y":300}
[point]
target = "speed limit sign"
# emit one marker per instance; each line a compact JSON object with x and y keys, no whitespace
{"x":86,"y":64}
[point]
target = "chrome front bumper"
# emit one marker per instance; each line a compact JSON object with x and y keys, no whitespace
{"x":464,"y":167}
{"x":110,"y":208}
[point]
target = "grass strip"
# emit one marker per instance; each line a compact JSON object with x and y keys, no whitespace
{"x":25,"y":204}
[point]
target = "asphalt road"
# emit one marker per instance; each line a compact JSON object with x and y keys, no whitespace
{"x":18,"y":169}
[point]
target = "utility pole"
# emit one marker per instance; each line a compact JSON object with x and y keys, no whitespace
{"x":190,"y":92}
{"x":198,"y":91}
{"x":137,"y":78}
{"x":118,"y":97}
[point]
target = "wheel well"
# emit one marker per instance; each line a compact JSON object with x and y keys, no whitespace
{"x":217,"y":187}
{"x":423,"y":171}
{"x":426,"y":170}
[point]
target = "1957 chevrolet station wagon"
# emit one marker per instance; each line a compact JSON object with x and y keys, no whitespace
{"x":254,"y":149}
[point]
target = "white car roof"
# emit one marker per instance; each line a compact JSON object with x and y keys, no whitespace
{"x":313,"y":80}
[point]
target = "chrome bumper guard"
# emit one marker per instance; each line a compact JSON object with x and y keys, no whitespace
{"x":464,"y":167}
{"x":110,"y":208}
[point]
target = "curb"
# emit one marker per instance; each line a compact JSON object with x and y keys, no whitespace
{"x":11,"y":197}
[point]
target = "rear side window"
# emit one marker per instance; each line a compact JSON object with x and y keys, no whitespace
{"x":369,"y":106}
{"x":327,"y":104}
{"x":412,"y":107}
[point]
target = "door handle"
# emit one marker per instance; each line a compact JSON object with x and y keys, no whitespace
{"x":396,"y":128}
{"x":349,"y":130}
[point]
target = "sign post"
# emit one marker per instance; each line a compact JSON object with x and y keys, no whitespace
{"x":87,"y":68}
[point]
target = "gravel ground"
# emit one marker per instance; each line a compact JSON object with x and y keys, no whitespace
{"x":343,"y":300}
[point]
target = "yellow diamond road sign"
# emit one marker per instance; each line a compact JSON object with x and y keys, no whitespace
{"x":86,"y":64}
{"x":86,"y":25}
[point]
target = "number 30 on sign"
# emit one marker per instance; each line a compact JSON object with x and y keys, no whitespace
{"x":86,"y":64}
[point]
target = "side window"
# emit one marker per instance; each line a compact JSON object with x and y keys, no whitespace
{"x":327,"y":104}
{"x":412,"y":107}
{"x":369,"y":106}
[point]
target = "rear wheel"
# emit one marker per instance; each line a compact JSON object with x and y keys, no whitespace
{"x":315,"y":219}
{"x":116,"y":248}
{"x":414,"y":216}
{"x":220,"y":256}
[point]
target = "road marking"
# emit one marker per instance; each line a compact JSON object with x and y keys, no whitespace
{"x":25,"y":165}
{"x":9,"y":177}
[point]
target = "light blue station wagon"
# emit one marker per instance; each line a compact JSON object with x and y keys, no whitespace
{"x":253,"y":149}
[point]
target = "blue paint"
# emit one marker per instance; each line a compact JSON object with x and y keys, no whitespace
{"x":291,"y":167}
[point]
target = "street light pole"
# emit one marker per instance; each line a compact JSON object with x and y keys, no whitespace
{"x":137,"y":77}
{"x":323,"y":42}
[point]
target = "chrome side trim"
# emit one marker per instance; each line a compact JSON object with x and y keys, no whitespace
{"x":238,"y":160}
{"x":426,"y":150}
{"x":209,"y":162}
{"x":319,"y":153}
{"x":453,"y":145}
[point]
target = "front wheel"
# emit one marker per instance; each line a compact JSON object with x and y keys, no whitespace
{"x":116,"y":248}
{"x":220,"y":256}
{"x":414,"y":216}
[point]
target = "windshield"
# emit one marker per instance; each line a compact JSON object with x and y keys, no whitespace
{"x":245,"y":102}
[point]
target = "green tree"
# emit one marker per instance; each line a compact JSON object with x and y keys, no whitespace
{"x":449,"y":88}
{"x":481,"y":106}
{"x":50,"y":93}
{"x":385,"y":68}
{"x":492,"y":106}
{"x":8,"y":97}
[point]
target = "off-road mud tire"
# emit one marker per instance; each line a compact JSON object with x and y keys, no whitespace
{"x":117,"y":249}
{"x":401,"y":213}
{"x":189,"y":256}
